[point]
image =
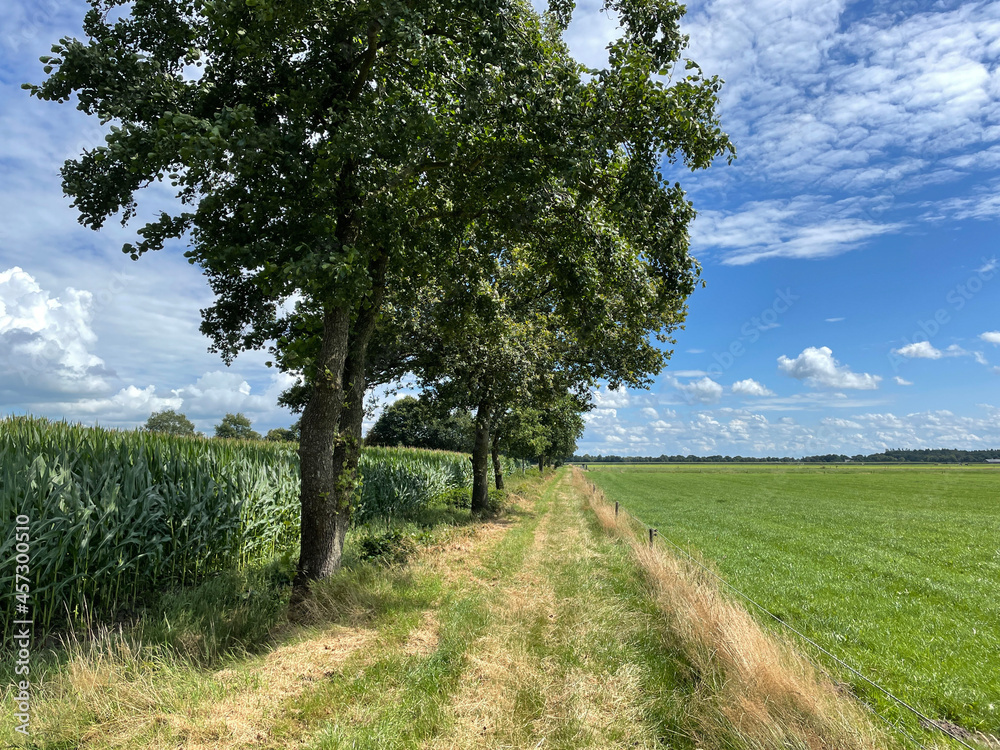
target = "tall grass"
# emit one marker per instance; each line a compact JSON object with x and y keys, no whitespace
{"x":114,"y":516}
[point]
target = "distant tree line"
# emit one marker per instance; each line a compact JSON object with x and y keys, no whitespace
{"x":236,"y":426}
{"x":927,"y":455}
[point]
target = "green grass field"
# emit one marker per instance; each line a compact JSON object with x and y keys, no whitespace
{"x":894,"y":569}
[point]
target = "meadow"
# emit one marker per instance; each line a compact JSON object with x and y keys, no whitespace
{"x":896,"y":569}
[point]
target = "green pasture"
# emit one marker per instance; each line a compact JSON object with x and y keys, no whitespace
{"x":895,"y":569}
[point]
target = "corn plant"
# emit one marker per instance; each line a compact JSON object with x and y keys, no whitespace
{"x":114,"y":516}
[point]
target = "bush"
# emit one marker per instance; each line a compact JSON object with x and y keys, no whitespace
{"x":456,"y":497}
{"x":497,"y":502}
{"x":391,"y":547}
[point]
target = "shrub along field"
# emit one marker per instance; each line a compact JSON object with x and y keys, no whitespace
{"x":114,"y":516}
{"x":895,"y":569}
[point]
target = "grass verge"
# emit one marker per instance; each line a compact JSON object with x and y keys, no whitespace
{"x":752,"y":689}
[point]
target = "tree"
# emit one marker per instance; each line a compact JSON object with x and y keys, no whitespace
{"x":418,"y":423}
{"x":523,"y":337}
{"x":334,"y":153}
{"x":545,"y":432}
{"x":169,"y":422}
{"x":236,"y":426}
{"x":283,"y":434}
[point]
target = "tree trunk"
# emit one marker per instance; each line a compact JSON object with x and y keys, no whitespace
{"x":541,"y":464}
{"x":497,"y":468}
{"x":330,"y":447}
{"x":481,"y":459}
{"x":322,"y":529}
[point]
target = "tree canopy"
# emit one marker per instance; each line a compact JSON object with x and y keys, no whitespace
{"x":284,"y":434}
{"x":236,"y":426}
{"x":546,"y":433}
{"x":418,"y":423}
{"x":169,"y":422}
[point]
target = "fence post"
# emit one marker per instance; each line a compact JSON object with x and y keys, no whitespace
{"x":652,"y":533}
{"x":616,"y":509}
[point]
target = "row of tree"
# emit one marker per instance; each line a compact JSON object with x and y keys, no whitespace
{"x":545,"y":435}
{"x":237,"y":426}
{"x":386,"y":188}
{"x":935,"y":455}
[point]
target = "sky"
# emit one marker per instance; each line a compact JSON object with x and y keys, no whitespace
{"x":850,"y":253}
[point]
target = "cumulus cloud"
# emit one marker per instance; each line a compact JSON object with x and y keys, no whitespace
{"x":130,"y":404}
{"x":611,"y":399}
{"x":46,"y":339}
{"x":213,"y":395}
{"x":703,"y":391}
{"x":818,"y":368}
{"x":991,"y":337}
{"x":925,"y":350}
{"x":217,"y":393}
{"x":751,"y":387}
{"x":919,"y":350}
{"x":900,"y":381}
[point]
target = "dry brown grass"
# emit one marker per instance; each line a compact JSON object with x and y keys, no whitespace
{"x":106,"y":678}
{"x":129,"y":696}
{"x":749,"y":681}
{"x":244,"y":718}
{"x":423,"y":640}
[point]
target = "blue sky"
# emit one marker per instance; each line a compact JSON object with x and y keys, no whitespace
{"x":850,"y":253}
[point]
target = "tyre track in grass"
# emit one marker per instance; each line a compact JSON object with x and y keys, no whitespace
{"x":563,"y":661}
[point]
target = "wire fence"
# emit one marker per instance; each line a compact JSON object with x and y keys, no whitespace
{"x":926,"y":721}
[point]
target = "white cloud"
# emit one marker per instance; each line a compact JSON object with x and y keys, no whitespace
{"x":704,"y":391}
{"x":925,"y":350}
{"x":205,"y":402}
{"x":837,"y":422}
{"x":751,"y":387}
{"x":609,"y":398}
{"x":218,"y":393}
{"x":744,"y":432}
{"x":46,"y":340}
{"x":834,"y":320}
{"x":817,"y":97}
{"x":817,"y":367}
{"x":956,"y":351}
{"x":650,"y":412}
{"x":848,"y":110}
{"x":900,"y":381}
{"x":992,"y":337}
{"x":919,"y":350}
{"x":982,"y":205}
{"x":805,"y":227}
{"x":130,"y":404}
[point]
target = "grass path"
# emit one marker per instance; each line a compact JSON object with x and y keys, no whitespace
{"x":540,"y":631}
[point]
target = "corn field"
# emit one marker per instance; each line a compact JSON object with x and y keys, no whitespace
{"x":114,"y":515}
